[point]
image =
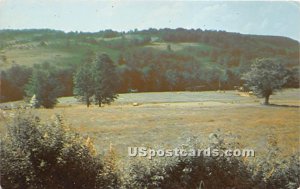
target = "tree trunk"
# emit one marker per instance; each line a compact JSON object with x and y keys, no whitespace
{"x":267,"y":100}
{"x":99,"y":102}
{"x":87,"y":102}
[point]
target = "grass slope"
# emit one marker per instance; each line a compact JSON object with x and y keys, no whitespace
{"x":30,"y":47}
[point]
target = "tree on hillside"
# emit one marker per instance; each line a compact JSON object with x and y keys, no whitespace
{"x":84,"y":83}
{"x":265,"y":77}
{"x":45,"y":86}
{"x":105,"y":80}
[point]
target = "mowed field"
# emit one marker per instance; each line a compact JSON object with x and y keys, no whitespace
{"x":169,"y":118}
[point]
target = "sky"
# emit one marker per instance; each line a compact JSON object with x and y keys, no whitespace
{"x":247,"y":17}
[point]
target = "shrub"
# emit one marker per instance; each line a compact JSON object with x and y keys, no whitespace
{"x":278,"y":173}
{"x":46,"y":155}
{"x":210,"y":172}
{"x":110,"y":175}
{"x":186,"y":172}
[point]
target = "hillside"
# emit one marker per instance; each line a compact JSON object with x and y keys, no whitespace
{"x":35,"y":46}
{"x":148,"y":60}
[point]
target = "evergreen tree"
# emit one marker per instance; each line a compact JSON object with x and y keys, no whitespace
{"x":105,"y":79}
{"x":84,"y":83}
{"x":45,"y":86}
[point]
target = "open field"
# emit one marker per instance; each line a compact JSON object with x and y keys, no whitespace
{"x":177,"y":46}
{"x":30,"y":57}
{"x":169,"y":118}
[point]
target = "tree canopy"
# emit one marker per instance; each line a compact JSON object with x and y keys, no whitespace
{"x":105,"y":79}
{"x":46,"y":87}
{"x":265,"y":77}
{"x":96,"y":78}
{"x":84,"y":83}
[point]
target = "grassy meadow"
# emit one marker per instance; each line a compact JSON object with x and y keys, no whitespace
{"x":169,"y":118}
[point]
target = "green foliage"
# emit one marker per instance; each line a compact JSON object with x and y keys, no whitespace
{"x":105,"y":80}
{"x":210,"y":172}
{"x":294,"y":79}
{"x":110,"y":34}
{"x":45,"y":85}
{"x":18,"y":75}
{"x":84,"y":83}
{"x":110,"y":175}
{"x":155,"y":60}
{"x":96,"y":78}
{"x":273,"y":172}
{"x":265,"y":77}
{"x":35,"y":154}
{"x":188,"y":172}
{"x":13,"y":82}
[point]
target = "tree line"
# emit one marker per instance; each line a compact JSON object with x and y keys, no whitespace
{"x":98,"y":79}
{"x":95,"y":81}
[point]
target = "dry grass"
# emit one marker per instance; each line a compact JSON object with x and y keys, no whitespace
{"x":167,"y":122}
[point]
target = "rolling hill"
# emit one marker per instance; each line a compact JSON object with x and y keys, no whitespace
{"x":149,"y":60}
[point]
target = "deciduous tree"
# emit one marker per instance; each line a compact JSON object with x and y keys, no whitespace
{"x":265,"y":77}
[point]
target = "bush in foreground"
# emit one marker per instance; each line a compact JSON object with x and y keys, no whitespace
{"x":212,"y":172}
{"x":46,"y":155}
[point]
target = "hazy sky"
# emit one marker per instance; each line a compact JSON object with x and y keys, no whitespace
{"x":267,"y":18}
